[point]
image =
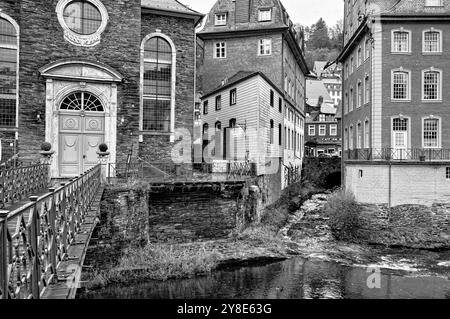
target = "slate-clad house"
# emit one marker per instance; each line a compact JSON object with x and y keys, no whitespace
{"x":77,"y":73}
{"x":258,"y":37}
{"x":396,"y":94}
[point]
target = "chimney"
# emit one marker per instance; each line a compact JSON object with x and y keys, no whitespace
{"x":242,"y":11}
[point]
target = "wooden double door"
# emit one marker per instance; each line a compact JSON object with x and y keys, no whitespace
{"x":80,"y":134}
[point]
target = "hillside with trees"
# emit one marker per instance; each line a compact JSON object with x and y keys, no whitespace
{"x":323,"y":43}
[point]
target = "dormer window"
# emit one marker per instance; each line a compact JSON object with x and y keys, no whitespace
{"x":221,"y":19}
{"x":265,"y":15}
{"x":434,"y":3}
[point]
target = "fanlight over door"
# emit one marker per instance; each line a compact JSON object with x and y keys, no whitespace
{"x":82,"y":130}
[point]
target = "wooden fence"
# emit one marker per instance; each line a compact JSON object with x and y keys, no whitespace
{"x":35,"y":238}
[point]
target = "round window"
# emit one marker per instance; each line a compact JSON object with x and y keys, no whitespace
{"x":82,"y":17}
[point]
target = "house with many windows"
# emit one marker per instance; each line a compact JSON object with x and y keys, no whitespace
{"x":396,"y":95}
{"x":80,"y":73}
{"x":244,"y":36}
{"x":323,"y":125}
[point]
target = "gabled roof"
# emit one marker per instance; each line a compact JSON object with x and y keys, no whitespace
{"x":314,"y":90}
{"x":319,"y":67}
{"x":239,"y":77}
{"x":172,"y":6}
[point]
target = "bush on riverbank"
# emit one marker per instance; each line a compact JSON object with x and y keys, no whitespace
{"x":157,"y":262}
{"x":344,"y":215}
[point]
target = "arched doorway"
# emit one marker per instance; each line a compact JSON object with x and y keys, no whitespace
{"x":81,"y":131}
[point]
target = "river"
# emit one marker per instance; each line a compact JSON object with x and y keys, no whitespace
{"x":402,"y":275}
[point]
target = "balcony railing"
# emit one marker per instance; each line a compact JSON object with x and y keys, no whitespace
{"x":398,"y":155}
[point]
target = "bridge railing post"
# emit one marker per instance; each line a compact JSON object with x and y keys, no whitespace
{"x":4,"y":254}
{"x":34,"y":233}
{"x":54,"y":233}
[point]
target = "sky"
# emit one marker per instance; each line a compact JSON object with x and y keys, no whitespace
{"x":305,"y":12}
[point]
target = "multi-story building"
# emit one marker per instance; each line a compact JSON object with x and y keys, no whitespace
{"x":80,"y":73}
{"x":323,"y":125}
{"x":330,"y":74}
{"x":257,"y":36}
{"x":395,"y":119}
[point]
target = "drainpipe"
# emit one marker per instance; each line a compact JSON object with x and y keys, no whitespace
{"x":390,"y":186}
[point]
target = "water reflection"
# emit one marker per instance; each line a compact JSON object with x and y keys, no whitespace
{"x":292,"y":279}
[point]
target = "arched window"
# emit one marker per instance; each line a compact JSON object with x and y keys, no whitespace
{"x":82,"y":101}
{"x":232,"y":123}
{"x":205,"y":131}
{"x":218,"y":126}
{"x":8,"y":72}
{"x":158,"y":85}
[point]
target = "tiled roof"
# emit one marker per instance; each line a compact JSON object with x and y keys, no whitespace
{"x":169,"y":5}
{"x":314,"y":90}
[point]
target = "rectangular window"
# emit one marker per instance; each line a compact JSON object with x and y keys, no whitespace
{"x":432,"y":42}
{"x":221,"y":50}
{"x":360,"y":94}
{"x":265,"y":15}
{"x":352,"y":66}
{"x":221,"y":19}
{"x":367,"y":47}
{"x":322,"y":130}
{"x":366,"y":134}
{"x":333,"y":130}
{"x":321,"y":117}
{"x":352,"y":98}
{"x":360,"y":57}
{"x":271,"y":131}
{"x":359,"y":137}
{"x":366,"y":90}
{"x":312,"y":130}
{"x":265,"y":47}
{"x":205,"y":107}
{"x":433,"y":3}
{"x":400,"y":43}
{"x":218,"y":103}
{"x":447,"y":173}
{"x":233,"y":97}
{"x":280,"y":105}
{"x":400,"y":85}
{"x":272,"y":98}
{"x":280,"y":135}
{"x":431,"y":85}
{"x":157,"y":115}
{"x":431,"y":133}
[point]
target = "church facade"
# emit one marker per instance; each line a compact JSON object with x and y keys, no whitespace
{"x":80,"y":73}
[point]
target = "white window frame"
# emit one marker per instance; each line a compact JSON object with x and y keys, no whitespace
{"x":333,"y":130}
{"x":432,"y":3}
{"x":322,"y":128}
{"x":173,"y":84}
{"x":439,"y":136}
{"x":351,"y":104}
{"x":359,"y":94}
{"x":219,"y":21}
{"x":359,"y":137}
{"x":312,"y":130}
{"x":359,"y":57}
{"x":440,"y":41}
{"x":216,"y":47}
{"x":366,"y":130}
{"x":367,"y":48}
{"x":261,"y":17}
{"x":17,"y":48}
{"x":263,"y":45}
{"x":439,"y":93}
{"x":367,"y":89}
{"x":393,"y":51}
{"x":351,"y":137}
{"x":408,"y":88}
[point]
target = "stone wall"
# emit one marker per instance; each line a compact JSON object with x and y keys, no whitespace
{"x":412,"y":226}
{"x":320,"y":171}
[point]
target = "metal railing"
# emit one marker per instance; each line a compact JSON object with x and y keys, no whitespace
{"x":391,"y":154}
{"x":292,"y":174}
{"x":36,"y":237}
{"x":18,"y":183}
{"x":169,"y":171}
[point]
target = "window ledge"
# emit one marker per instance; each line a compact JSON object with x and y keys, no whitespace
{"x":432,"y":53}
{"x":155,"y":133}
{"x":401,"y":53}
{"x":432,"y":101}
{"x":400,"y":101}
